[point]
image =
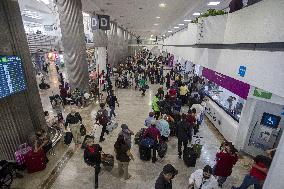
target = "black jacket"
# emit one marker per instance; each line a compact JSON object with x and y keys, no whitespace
{"x":93,"y":159}
{"x":162,"y":183}
{"x":184,"y":130}
{"x":73,"y":119}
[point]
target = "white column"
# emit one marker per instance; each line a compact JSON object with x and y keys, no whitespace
{"x":102,"y":59}
{"x":274,"y":179}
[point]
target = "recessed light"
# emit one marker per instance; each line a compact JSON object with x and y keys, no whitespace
{"x":213,"y":3}
{"x":158,"y":17}
{"x":156,"y":24}
{"x":196,"y":14}
{"x":170,"y":31}
{"x":181,"y":24}
{"x":187,"y":20}
{"x":176,"y":27}
{"x":162,"y":5}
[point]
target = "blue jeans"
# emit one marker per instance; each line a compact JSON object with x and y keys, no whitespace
{"x":111,"y":112}
{"x":248,"y":181}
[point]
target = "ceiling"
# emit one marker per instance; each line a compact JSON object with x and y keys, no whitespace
{"x":140,"y":16}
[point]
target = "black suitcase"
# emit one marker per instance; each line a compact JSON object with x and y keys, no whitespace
{"x":68,"y":138}
{"x":162,"y":149}
{"x":145,"y":153}
{"x":189,"y":157}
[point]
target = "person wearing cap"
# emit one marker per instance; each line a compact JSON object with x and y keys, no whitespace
{"x":203,"y":179}
{"x":165,"y":178}
{"x":126,"y":133}
{"x":149,"y":119}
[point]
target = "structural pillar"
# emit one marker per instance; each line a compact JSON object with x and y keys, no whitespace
{"x":274,"y":179}
{"x":21,"y":113}
{"x":73,"y":40}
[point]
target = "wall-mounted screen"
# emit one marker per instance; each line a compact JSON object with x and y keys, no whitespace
{"x":12,"y":77}
{"x":270,"y":120}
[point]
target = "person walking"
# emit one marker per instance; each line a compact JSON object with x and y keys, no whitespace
{"x":111,"y":101}
{"x":225,"y":161}
{"x":103,"y":119}
{"x":165,"y":178}
{"x":123,"y":156}
{"x":92,"y":157}
{"x":73,"y":121}
{"x":126,"y":133}
{"x":184,"y":133}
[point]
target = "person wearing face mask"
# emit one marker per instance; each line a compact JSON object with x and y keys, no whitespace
{"x":225,"y":161}
{"x":203,"y":179}
{"x":164,"y":181}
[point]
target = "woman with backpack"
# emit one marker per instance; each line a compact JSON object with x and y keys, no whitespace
{"x":123,"y":156}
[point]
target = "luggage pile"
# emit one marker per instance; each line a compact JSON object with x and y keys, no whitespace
{"x":138,"y":136}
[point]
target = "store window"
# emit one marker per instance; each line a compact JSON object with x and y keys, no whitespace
{"x":230,"y":102}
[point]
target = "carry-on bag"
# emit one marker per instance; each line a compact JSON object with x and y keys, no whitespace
{"x":36,"y":161}
{"x":68,"y":138}
{"x":21,"y":153}
{"x":111,"y":126}
{"x":189,"y":157}
{"x":162,"y":149}
{"x":145,"y":153}
{"x":108,"y":161}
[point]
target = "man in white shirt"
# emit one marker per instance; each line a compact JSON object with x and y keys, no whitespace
{"x":203,"y":179}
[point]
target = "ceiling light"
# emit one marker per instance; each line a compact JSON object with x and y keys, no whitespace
{"x":187,"y":20}
{"x":213,"y":3}
{"x":181,"y":24}
{"x":170,"y":31}
{"x":158,"y":17}
{"x":176,"y":27}
{"x":162,"y":5}
{"x":196,"y":14}
{"x":156,"y":24}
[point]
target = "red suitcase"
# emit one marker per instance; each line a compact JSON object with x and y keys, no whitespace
{"x":35,"y":161}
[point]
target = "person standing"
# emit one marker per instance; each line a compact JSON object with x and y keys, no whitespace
{"x":103,"y":119}
{"x":225,"y":161}
{"x":165,"y":178}
{"x":184,"y":133}
{"x":123,"y":156}
{"x":155,"y":106}
{"x":183,"y":90}
{"x":73,"y":121}
{"x":126,"y":133}
{"x":203,"y":179}
{"x":92,"y":157}
{"x":149,"y":119}
{"x":142,"y":84}
{"x":111,"y":100}
{"x":154,"y":134}
{"x":164,"y":128}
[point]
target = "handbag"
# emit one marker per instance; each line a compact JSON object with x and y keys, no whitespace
{"x":21,"y":153}
{"x":83,"y":130}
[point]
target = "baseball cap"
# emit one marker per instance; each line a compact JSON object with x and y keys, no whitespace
{"x":124,"y":126}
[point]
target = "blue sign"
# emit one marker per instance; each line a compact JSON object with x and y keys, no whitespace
{"x":12,"y":77}
{"x":270,"y":120}
{"x":242,"y":71}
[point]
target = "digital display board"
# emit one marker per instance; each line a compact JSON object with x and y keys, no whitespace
{"x":12,"y":77}
{"x":270,"y":120}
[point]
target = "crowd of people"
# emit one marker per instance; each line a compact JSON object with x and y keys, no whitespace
{"x":178,"y":109}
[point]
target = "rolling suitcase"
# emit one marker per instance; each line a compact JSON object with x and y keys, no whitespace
{"x":68,"y":138}
{"x":145,"y":153}
{"x":35,"y":161}
{"x":162,"y":149}
{"x":189,"y":157}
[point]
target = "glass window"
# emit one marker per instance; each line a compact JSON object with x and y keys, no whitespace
{"x":227,"y":100}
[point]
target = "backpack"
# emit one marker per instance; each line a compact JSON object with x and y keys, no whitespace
{"x":92,"y":154}
{"x":102,"y":117}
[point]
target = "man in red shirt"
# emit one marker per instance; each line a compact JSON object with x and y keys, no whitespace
{"x":257,"y":174}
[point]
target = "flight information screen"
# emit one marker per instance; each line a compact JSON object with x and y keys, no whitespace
{"x":12,"y":77}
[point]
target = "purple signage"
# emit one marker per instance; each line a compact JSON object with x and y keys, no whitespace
{"x":235,"y":86}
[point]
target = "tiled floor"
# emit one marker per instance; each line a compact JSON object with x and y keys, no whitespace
{"x":133,"y":110}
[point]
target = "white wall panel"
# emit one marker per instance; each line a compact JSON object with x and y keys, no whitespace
{"x":262,"y":22}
